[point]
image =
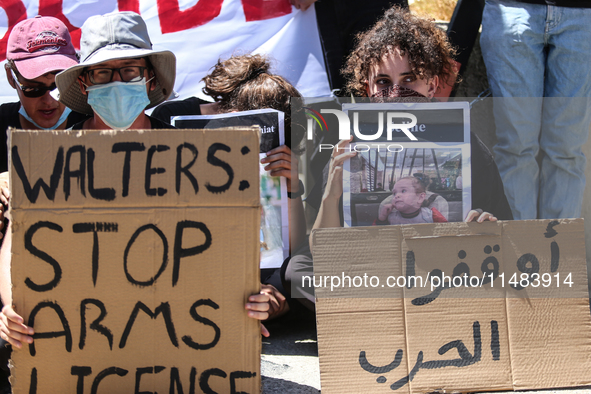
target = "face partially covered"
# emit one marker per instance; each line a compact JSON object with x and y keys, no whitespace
{"x":394,"y":69}
{"x":44,"y":110}
{"x":122,"y":70}
{"x":406,"y":199}
{"x":118,"y":92}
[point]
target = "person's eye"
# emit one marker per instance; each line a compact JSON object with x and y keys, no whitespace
{"x":409,"y":79}
{"x":382,"y":81}
{"x":131,"y":73}
{"x":130,"y":70}
{"x":101,"y":75}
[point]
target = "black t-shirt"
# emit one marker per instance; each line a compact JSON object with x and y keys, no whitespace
{"x":9,"y":117}
{"x":155,"y":123}
{"x":189,"y":106}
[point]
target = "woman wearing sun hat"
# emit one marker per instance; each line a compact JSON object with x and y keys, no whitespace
{"x":119,"y":75}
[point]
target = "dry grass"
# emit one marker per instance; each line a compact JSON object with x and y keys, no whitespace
{"x":440,"y":10}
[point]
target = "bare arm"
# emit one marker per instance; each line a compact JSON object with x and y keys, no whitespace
{"x":328,"y":214}
{"x":12,"y":327}
{"x":5,"y":280}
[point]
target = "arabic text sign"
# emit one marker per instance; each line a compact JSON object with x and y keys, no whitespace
{"x":462,"y":338}
{"x":128,"y":289}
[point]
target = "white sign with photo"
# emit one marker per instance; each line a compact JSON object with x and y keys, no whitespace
{"x":274,"y":207}
{"x":396,"y":180}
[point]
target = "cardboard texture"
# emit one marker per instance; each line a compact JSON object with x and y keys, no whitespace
{"x":134,"y":267}
{"x":493,"y":336}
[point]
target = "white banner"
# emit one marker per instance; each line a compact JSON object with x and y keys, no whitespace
{"x":199,"y":32}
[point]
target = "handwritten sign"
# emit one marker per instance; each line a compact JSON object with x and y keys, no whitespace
{"x":454,"y":307}
{"x":133,"y":255}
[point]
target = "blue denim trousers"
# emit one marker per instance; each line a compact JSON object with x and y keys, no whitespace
{"x":538,"y":64}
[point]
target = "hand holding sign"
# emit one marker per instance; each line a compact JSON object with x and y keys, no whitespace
{"x":280,"y":162}
{"x":479,"y":216}
{"x":12,"y":328}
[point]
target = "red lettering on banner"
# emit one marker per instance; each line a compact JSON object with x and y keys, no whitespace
{"x":16,"y":12}
{"x":54,"y":8}
{"x":172,"y":19}
{"x":129,"y":5}
{"x":258,"y":10}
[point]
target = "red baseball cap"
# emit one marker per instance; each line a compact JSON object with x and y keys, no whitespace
{"x":40,"y":45}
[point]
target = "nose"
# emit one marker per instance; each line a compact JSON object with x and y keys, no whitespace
{"x":116,"y":76}
{"x":47,"y":98}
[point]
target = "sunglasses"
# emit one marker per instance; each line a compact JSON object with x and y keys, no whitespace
{"x":29,"y":91}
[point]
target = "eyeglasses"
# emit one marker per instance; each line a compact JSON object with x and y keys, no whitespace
{"x":100,"y":76}
{"x":30,"y":91}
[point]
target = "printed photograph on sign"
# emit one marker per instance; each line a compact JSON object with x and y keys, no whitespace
{"x":412,"y":164}
{"x":389,"y":187}
{"x":274,"y":231}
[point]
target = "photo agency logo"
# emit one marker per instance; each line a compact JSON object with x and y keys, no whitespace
{"x":392,"y":121}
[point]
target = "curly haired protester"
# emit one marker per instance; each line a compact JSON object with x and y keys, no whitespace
{"x":244,"y":83}
{"x":118,"y":68}
{"x":406,"y":59}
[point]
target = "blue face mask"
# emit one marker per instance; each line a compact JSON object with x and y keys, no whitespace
{"x":118,"y":104}
{"x":61,"y":120}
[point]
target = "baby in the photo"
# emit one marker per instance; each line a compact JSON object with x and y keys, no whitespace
{"x":407,"y":205}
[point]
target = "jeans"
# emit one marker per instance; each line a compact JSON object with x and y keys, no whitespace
{"x":537,"y":61}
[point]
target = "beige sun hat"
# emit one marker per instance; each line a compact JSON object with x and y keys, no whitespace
{"x":115,"y":36}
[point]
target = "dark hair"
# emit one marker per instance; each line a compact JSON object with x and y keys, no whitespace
{"x":11,"y":64}
{"x":429,"y":52}
{"x":244,"y":83}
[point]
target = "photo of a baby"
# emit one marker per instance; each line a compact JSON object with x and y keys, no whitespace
{"x":416,"y":185}
{"x":407,"y":205}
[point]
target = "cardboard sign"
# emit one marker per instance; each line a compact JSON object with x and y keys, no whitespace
{"x":134,"y":253}
{"x":452,"y":307}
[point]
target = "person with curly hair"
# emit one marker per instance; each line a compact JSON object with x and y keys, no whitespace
{"x":401,"y":39}
{"x":244,"y":83}
{"x":240,"y":83}
{"x":404,"y":58}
